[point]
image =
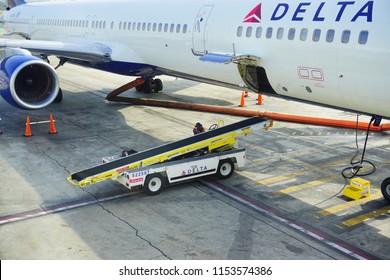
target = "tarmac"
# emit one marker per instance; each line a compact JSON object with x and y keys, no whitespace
{"x":287,"y":203}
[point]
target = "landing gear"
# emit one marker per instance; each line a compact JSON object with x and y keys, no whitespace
{"x":140,"y":84}
{"x":385,"y":188}
{"x":150,"y":85}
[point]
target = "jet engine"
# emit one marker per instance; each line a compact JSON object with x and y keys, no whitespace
{"x":28,"y":82}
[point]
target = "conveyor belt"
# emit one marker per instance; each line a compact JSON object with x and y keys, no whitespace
{"x":124,"y":161}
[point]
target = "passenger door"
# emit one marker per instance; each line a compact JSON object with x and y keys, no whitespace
{"x":199,"y":30}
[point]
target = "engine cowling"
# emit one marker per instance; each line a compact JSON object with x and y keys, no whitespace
{"x":28,"y":82}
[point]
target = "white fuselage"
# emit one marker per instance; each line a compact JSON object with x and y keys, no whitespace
{"x":334,"y":53}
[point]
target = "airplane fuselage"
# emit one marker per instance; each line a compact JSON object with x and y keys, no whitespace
{"x":332,"y":53}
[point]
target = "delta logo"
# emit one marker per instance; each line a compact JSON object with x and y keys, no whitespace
{"x":254,"y":16}
{"x":317,"y":11}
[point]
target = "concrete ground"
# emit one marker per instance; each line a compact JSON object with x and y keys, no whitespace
{"x":286,"y":204}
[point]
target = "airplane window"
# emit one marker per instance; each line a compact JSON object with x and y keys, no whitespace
{"x":178,"y":27}
{"x":129,"y":26}
{"x":303,"y":35}
{"x":249,"y":31}
{"x":316,"y":35}
{"x":172,"y":28}
{"x":259,"y":30}
{"x":280,"y":32}
{"x":291,"y":34}
{"x":149,"y":26}
{"x":143,"y":26}
{"x":330,"y":35}
{"x":269,"y":33}
{"x":363,"y":37}
{"x":166,"y":27}
{"x":154,"y":27}
{"x":185,"y":27}
{"x":101,"y":24}
{"x":239,"y":31}
{"x":345,"y":36}
{"x":159,"y":27}
{"x":138,"y":26}
{"x":112,"y":25}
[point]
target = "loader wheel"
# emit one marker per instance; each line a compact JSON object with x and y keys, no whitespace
{"x":225,"y":168}
{"x":154,"y":184}
{"x":386,"y":189}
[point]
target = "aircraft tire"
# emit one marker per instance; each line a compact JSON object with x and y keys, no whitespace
{"x":147,"y":87}
{"x":385,"y":188}
{"x":225,"y":169}
{"x":139,"y":88}
{"x":154,"y":184}
{"x":157,"y":85}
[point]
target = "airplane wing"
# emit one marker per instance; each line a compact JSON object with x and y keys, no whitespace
{"x":86,"y":52}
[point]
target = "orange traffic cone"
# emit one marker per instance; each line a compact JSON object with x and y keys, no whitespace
{"x":242,"y":103}
{"x":259,"y":99}
{"x":52,"y":126}
{"x":27,"y":132}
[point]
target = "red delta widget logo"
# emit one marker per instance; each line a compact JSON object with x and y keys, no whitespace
{"x":362,"y":11}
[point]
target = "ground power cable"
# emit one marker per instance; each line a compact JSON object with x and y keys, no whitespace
{"x":357,"y":166}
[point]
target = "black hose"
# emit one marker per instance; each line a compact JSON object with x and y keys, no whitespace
{"x":356,"y":166}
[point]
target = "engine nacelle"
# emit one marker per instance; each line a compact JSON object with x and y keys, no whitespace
{"x":28,"y":82}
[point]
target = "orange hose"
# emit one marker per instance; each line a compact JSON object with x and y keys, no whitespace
{"x":251,"y":113}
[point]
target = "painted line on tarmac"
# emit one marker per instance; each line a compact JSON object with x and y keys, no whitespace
{"x":364,"y":218}
{"x":337,"y":245}
{"x":306,"y":185}
{"x":349,"y":204}
{"x":57,"y":208}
